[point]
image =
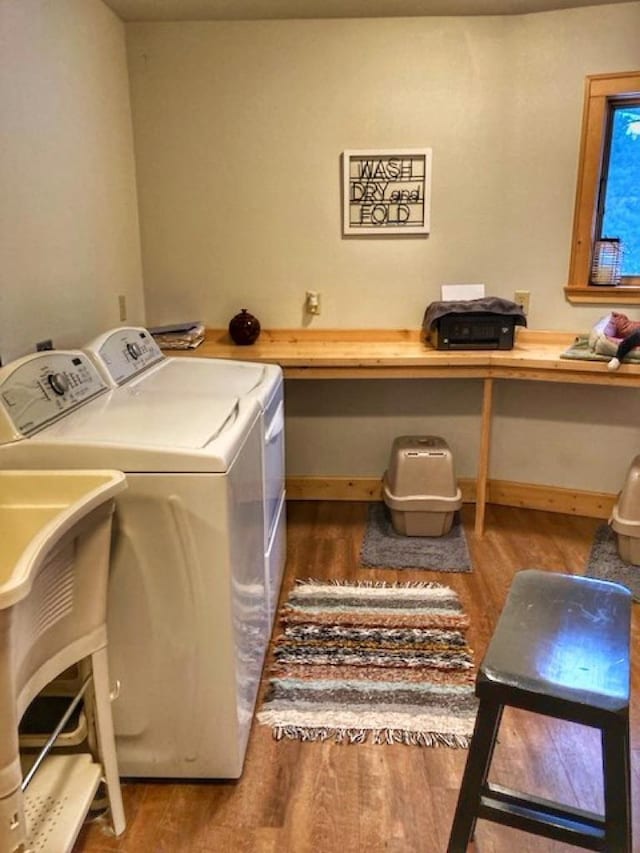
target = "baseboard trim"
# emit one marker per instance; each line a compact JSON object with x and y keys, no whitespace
{"x":502,"y":492}
{"x":334,"y":488}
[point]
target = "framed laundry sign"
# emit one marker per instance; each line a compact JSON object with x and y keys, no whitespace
{"x":386,"y":192}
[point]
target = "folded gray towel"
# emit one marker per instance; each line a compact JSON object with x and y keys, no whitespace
{"x":486,"y":305}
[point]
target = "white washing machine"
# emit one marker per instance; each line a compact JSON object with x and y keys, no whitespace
{"x":129,"y":358}
{"x":187,"y":612}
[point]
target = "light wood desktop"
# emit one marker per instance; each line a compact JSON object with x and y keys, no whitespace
{"x":403,"y":354}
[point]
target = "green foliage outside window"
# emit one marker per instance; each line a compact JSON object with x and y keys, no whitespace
{"x":621,"y":217}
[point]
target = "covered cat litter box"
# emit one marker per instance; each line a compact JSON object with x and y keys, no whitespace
{"x":625,"y":516}
{"x":420,"y":487}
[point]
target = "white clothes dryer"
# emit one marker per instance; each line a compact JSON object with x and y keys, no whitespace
{"x":129,"y":358}
{"x":187,"y":610}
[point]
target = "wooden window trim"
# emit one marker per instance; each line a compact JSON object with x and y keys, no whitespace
{"x":599,"y":90}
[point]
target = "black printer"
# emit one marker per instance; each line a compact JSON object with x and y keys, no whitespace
{"x":486,"y":323}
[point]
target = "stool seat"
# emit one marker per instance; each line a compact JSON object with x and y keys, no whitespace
{"x":560,"y":648}
{"x":561,"y":641}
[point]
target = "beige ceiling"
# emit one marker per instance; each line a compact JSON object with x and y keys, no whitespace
{"x":248,"y":10}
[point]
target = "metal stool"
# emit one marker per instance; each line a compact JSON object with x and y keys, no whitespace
{"x":561,"y":648}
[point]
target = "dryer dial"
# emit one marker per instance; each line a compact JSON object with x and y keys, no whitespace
{"x":59,"y":383}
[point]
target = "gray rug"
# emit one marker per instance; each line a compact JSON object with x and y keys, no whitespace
{"x":605,"y":563}
{"x":383,"y":548}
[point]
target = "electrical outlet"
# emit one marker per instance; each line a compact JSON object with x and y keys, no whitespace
{"x":122,"y":307}
{"x":522,"y":298}
{"x":43,"y":346}
{"x":312,"y":301}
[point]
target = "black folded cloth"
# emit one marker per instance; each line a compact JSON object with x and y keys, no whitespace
{"x":486,"y":305}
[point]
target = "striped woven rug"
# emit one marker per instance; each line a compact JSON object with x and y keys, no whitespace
{"x":387,"y":663}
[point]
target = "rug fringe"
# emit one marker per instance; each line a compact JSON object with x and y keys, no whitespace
{"x":376,"y":736}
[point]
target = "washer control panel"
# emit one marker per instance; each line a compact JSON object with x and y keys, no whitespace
{"x":39,"y":389}
{"x":125,"y":353}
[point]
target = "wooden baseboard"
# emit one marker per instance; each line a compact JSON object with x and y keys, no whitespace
{"x":550,"y":499}
{"x":502,"y":492}
{"x":334,"y":489}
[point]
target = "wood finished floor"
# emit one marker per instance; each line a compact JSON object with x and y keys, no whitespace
{"x":327,"y":798}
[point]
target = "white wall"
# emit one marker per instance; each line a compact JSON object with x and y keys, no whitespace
{"x":69,"y":236}
{"x":239,"y":129}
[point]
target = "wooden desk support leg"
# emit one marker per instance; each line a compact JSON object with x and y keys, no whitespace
{"x":485,"y":452}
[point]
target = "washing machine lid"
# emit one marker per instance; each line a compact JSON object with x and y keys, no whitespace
{"x":197,"y":435}
{"x":205,"y":375}
{"x":151,"y":420}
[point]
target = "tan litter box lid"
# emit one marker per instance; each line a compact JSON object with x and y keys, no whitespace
{"x":421,"y":465}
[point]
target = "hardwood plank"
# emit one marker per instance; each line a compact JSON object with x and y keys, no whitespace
{"x":327,"y":798}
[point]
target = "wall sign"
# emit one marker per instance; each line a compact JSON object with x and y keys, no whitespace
{"x":386,"y":192}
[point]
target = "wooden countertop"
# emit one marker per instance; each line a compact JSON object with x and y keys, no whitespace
{"x":384,"y":353}
{"x":402,"y":354}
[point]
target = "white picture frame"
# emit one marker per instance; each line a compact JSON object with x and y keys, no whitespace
{"x":386,"y":191}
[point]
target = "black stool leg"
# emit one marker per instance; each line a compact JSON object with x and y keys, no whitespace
{"x":617,"y":785}
{"x":476,"y":771}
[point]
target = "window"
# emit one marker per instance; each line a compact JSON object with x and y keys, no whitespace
{"x":619,"y":203}
{"x":607,"y":212}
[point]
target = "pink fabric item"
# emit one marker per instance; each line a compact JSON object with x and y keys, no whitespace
{"x":623,"y":325}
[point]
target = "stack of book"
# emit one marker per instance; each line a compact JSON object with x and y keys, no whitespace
{"x":179,"y":335}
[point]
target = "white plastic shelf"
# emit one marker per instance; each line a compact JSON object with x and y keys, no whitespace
{"x":57,"y":800}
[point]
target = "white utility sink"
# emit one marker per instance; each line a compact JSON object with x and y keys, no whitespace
{"x":55,"y":529}
{"x":36,"y":509}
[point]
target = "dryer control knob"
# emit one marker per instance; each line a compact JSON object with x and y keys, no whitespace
{"x":134,"y":350}
{"x":58,"y":382}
